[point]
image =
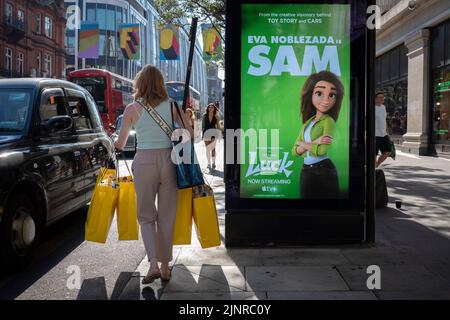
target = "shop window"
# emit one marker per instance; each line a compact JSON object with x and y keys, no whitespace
{"x":394,"y":64}
{"x":403,"y":61}
{"x":377,"y":71}
{"x":437,"y":46}
{"x":447,"y":44}
{"x":396,"y":94}
{"x":440,"y":61}
{"x":385,"y":63}
{"x":392,"y":78}
{"x":441,"y":105}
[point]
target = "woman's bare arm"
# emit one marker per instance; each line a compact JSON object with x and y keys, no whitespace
{"x":217,"y":121}
{"x":130,"y":117}
{"x":185,"y":119}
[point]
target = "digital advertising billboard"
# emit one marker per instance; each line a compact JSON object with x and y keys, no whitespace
{"x":295,"y":83}
{"x":297,"y":90}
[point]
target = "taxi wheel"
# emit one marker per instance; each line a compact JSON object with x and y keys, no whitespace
{"x":19,"y":232}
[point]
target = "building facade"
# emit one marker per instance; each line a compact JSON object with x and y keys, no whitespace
{"x":413,"y":69}
{"x":32,"y":38}
{"x":109,"y":14}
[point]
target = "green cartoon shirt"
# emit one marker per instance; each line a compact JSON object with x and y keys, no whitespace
{"x":325,"y":126}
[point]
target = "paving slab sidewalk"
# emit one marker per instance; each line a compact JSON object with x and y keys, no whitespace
{"x":412,"y":251}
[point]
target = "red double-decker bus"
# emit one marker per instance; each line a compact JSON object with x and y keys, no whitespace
{"x":111,"y":92}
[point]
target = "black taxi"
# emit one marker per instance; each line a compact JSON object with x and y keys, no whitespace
{"x":52,"y":145}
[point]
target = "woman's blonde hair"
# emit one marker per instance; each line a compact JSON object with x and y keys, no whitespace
{"x":149,"y":86}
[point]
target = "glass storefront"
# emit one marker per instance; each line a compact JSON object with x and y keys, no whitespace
{"x":440,"y":62}
{"x":391,"y":77}
{"x":441,"y":106}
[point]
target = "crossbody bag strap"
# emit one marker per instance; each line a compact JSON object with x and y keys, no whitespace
{"x":158,"y":119}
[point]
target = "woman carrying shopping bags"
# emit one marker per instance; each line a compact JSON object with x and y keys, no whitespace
{"x":153,"y":170}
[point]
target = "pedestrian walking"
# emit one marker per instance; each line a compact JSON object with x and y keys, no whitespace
{"x":210,"y":125}
{"x":153,"y":170}
{"x":383,"y":143}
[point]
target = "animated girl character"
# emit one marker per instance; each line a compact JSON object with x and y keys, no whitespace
{"x":321,"y":101}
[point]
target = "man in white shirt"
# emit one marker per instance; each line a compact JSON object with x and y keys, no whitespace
{"x":383,"y":143}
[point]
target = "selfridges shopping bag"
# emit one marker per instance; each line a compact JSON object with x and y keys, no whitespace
{"x":102,"y":207}
{"x":205,"y":216}
{"x":183,"y":224}
{"x":127,"y":224}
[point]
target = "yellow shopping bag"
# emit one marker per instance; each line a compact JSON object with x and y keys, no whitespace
{"x":101,"y":210}
{"x":127,"y":224}
{"x":183,"y":223}
{"x":205,"y":217}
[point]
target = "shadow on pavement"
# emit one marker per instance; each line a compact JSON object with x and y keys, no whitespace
{"x":216,"y":173}
{"x":398,"y":229}
{"x":212,"y":283}
{"x":58,"y":241}
{"x":95,"y":288}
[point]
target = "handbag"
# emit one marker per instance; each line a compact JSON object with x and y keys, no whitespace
{"x":188,"y":174}
{"x":205,"y":216}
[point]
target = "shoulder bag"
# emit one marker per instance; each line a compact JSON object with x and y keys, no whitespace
{"x":188,"y":174}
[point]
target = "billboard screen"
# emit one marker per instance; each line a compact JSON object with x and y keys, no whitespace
{"x":295,"y":110}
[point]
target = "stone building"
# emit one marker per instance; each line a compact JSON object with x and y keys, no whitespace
{"x":32,"y":38}
{"x":413,"y":69}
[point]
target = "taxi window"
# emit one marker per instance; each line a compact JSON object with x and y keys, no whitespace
{"x":79,"y":112}
{"x":52,"y":105}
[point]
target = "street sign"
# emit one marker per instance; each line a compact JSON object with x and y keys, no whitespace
{"x":299,"y":98}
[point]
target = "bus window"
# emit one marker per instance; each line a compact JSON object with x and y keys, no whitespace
{"x":96,"y":87}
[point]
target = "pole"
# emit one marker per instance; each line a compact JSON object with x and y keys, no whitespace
{"x":77,"y":24}
{"x":370,"y":135}
{"x":192,"y":38}
{"x":83,"y":61}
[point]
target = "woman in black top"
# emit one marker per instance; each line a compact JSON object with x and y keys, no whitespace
{"x":210,"y":125}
